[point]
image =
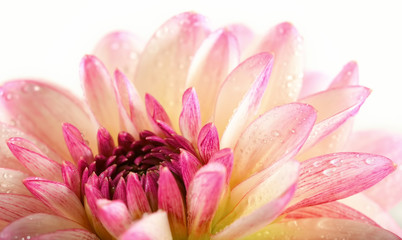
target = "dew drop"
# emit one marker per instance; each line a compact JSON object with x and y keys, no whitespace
{"x":316,"y":163}
{"x":9,"y":96}
{"x":336,"y":162}
{"x":329,"y":172}
{"x":369,"y":161}
{"x":275,"y":133}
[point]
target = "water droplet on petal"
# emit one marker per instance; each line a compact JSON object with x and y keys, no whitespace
{"x":316,"y":163}
{"x":329,"y":172}
{"x":369,"y":161}
{"x":336,"y":162}
{"x":275,"y":133}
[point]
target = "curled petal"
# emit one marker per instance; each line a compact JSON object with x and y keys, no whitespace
{"x":76,"y":144}
{"x":203,"y":199}
{"x":216,"y":57}
{"x":327,"y":178}
{"x":71,"y":177}
{"x":348,"y":76}
{"x":144,"y":229}
{"x":276,"y":135}
{"x":156,"y":112}
{"x":169,"y":54}
{"x":190,"y":117}
{"x":37,"y":163}
{"x":189,"y":166}
{"x":208,"y":141}
{"x":170,"y":200}
{"x":224,"y":157}
{"x":136,"y":199}
{"x":98,"y":89}
{"x":21,"y":99}
{"x":114,"y":216}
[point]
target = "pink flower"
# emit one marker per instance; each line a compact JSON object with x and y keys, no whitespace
{"x":185,"y":142}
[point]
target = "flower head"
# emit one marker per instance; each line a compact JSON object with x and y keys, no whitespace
{"x":194,"y":136}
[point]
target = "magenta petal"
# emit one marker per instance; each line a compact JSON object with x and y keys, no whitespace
{"x":156,"y":112}
{"x":348,"y":76}
{"x":257,"y":219}
{"x":170,"y":200}
{"x":53,"y":102}
{"x":190,"y":117}
{"x":71,"y":177}
{"x":144,"y":229}
{"x":150,"y":186}
{"x":213,"y":61}
{"x":189,"y":166}
{"x":59,"y":198}
{"x":92,"y":195}
{"x":208,"y":141}
{"x":203,"y":199}
{"x":169,"y":54}
{"x":120,"y":191}
{"x":69,"y":234}
{"x":114,"y":216}
{"x":35,"y":225}
{"x":15,"y":206}
{"x":105,"y":142}
{"x":137,"y":201}
{"x":98,"y":88}
{"x":327,"y":178}
{"x":37,"y":163}
{"x":76,"y":144}
{"x":224,"y":157}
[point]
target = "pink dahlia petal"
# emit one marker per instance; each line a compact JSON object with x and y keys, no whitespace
{"x":114,"y":216}
{"x":278,"y":134}
{"x":37,"y":163}
{"x":21,"y":99}
{"x":36,"y":225}
{"x":189,"y":166}
{"x":251,"y":73}
{"x":14,"y":206}
{"x":224,"y":157}
{"x":105,"y":142}
{"x":251,"y":195}
{"x":388,"y":145}
{"x":247,"y":109}
{"x":59,"y":198}
{"x":286,"y":44}
{"x":7,"y":159}
{"x":137,"y":202}
{"x":190,"y":117}
{"x":203,"y":199}
{"x":330,"y":210}
{"x":322,"y":228}
{"x":348,"y":76}
{"x":144,"y":229}
{"x":156,"y":112}
{"x":98,"y":88}
{"x":119,"y":50}
{"x":76,"y":144}
{"x":208,"y":142}
{"x":150,"y":185}
{"x":170,"y":200}
{"x":69,"y":234}
{"x":169,"y":54}
{"x":257,"y":219}
{"x":71,"y":178}
{"x":334,"y":107}
{"x":120,"y":191}
{"x":216,"y":57}
{"x":125,"y":95}
{"x":11,"y":181}
{"x":327,"y":178}
{"x":371,"y":209}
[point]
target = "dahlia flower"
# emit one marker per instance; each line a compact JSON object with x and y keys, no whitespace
{"x":199,"y":134}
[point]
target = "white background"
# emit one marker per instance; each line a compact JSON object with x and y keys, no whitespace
{"x":46,"y":39}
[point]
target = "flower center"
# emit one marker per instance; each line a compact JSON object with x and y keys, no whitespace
{"x":143,"y":157}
